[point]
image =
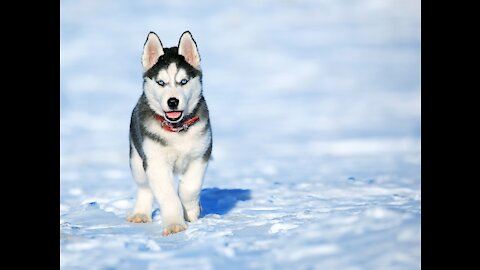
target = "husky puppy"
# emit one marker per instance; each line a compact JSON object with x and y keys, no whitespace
{"x":170,"y":134}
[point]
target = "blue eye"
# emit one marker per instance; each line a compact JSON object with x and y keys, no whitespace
{"x":161,"y":83}
{"x":183,"y":82}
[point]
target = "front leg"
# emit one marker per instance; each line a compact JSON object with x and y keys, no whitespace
{"x":189,"y":189}
{"x":160,"y":178}
{"x":142,"y":212}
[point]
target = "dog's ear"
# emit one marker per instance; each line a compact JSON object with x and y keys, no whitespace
{"x":188,"y":48}
{"x":152,"y":50}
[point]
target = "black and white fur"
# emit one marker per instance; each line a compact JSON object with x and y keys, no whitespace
{"x":158,"y":155}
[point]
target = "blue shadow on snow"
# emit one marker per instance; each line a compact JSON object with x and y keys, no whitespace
{"x":221,"y":201}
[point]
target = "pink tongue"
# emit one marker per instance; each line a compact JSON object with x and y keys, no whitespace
{"x":173,"y":115}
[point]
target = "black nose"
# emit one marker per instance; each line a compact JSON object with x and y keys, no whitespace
{"x":172,"y":103}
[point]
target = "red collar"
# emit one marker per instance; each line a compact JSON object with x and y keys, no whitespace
{"x":166,"y":125}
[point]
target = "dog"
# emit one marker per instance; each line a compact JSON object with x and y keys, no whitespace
{"x":170,"y":134}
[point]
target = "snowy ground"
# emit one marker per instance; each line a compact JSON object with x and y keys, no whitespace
{"x":315,"y":108}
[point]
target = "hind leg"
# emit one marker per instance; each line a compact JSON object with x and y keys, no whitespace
{"x":189,"y":189}
{"x":142,"y":212}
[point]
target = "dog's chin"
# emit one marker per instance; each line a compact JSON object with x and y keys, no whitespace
{"x":174,"y":116}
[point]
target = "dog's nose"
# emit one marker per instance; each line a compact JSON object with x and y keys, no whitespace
{"x":172,"y":103}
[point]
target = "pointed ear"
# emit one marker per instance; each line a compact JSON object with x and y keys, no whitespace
{"x":152,"y":50}
{"x":188,"y":48}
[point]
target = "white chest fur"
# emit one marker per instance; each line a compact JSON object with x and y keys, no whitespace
{"x":181,"y":147}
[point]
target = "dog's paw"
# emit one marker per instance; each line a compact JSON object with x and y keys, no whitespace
{"x":192,"y":214}
{"x":139,"y":218}
{"x":173,"y":228}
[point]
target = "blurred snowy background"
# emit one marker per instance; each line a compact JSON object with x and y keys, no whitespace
{"x":315,"y":109}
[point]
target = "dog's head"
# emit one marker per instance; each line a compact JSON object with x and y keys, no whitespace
{"x":172,"y":76}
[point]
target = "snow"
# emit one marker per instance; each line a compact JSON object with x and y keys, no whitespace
{"x":315,"y":110}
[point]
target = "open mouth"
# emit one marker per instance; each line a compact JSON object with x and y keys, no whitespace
{"x":173,"y":116}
